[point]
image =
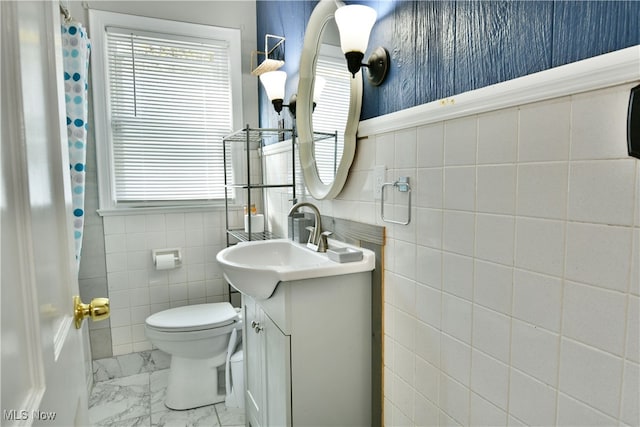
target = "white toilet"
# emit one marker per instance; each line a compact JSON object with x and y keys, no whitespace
{"x":196,"y":337}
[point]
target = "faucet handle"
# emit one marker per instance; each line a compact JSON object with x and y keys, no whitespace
{"x":324,"y":244}
{"x":310,"y":229}
{"x":310,"y":243}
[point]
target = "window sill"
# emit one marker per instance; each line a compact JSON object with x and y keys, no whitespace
{"x":122,"y":211}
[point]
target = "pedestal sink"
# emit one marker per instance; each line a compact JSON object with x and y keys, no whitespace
{"x":255,"y":268}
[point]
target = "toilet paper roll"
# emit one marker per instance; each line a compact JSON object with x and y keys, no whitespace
{"x":165,"y":262}
{"x":257,"y":223}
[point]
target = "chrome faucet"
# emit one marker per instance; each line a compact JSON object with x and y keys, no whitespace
{"x":317,"y":237}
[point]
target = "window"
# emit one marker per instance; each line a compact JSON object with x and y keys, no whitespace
{"x":165,"y":94}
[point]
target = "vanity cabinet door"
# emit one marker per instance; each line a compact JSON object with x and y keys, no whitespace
{"x":254,"y":361}
{"x":277,"y":351}
{"x":267,"y":353}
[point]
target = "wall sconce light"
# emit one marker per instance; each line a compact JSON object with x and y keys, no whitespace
{"x":354,"y":24}
{"x":318,"y":86}
{"x":274,"y":83}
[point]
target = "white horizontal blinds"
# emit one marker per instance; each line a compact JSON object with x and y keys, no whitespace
{"x":330,"y":114}
{"x":170,"y":100}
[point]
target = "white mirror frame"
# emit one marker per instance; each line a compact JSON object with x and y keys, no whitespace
{"x":322,"y":13}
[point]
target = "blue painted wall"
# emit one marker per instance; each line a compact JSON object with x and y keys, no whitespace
{"x":442,"y":48}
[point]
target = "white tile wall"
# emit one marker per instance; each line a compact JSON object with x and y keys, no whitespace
{"x":591,"y":376}
{"x":498,"y":137}
{"x":496,"y":192}
{"x":537,"y":299}
{"x":137,"y":289}
{"x":513,"y":296}
{"x":544,"y":130}
{"x":541,"y":189}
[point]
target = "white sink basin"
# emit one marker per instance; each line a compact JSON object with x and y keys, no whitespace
{"x":256,"y":268}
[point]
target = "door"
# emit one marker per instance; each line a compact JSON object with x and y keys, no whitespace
{"x":43,"y":373}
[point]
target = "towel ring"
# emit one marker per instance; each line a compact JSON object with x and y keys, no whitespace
{"x":402,"y":184}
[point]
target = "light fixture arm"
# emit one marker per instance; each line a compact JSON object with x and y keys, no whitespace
{"x":378,"y":64}
{"x":278,"y":105}
{"x":274,"y":85}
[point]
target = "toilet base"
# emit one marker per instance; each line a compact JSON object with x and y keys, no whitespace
{"x":193,"y":383}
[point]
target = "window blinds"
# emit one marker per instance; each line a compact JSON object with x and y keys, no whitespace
{"x":170,"y":101}
{"x":330,"y":114}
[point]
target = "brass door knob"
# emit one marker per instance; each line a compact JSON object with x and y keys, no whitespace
{"x":97,"y":309}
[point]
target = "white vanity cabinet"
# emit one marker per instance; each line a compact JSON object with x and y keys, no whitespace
{"x":267,"y":367}
{"x":308,"y":353}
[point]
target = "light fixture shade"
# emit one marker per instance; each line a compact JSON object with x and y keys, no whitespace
{"x":273,"y":82}
{"x":354,"y":24}
{"x":318,"y":87}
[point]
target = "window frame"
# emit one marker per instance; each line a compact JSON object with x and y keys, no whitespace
{"x":99,"y":21}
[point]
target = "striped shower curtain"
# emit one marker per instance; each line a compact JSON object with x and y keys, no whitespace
{"x":75,"y":51}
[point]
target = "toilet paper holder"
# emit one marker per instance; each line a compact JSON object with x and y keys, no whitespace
{"x":177,"y":255}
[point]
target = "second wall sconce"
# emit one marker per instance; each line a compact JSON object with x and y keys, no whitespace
{"x":354,"y":24}
{"x":274,"y":84}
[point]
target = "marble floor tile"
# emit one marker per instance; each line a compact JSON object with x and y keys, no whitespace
{"x":199,"y":417}
{"x":130,"y":364}
{"x":118,"y":400}
{"x":138,"y":400}
{"x":158,"y":390}
{"x":144,"y":421}
{"x":230,"y":417}
{"x":106,"y":369}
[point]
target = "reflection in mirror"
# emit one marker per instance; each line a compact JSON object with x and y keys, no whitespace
{"x":331,"y":112}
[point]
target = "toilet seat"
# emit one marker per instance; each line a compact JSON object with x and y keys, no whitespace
{"x":196,"y":317}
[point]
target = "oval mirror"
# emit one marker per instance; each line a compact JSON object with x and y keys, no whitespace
{"x":326,"y":151}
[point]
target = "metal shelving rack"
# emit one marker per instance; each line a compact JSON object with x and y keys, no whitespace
{"x":253,"y":139}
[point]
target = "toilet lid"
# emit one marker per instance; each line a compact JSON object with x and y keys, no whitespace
{"x":194,"y":317}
